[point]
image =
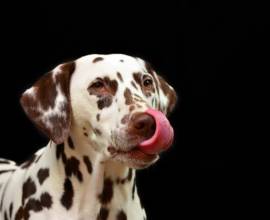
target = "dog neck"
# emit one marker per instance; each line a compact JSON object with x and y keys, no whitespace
{"x":94,"y":187}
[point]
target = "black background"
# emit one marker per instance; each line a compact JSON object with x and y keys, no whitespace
{"x":202,"y":48}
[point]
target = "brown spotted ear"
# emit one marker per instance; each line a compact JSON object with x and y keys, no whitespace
{"x":47,"y":102}
{"x":168,"y":98}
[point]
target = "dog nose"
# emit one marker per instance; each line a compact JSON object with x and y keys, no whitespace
{"x":143,"y":125}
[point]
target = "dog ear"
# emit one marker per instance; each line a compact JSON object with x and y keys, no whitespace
{"x":47,"y":102}
{"x":168,"y":96}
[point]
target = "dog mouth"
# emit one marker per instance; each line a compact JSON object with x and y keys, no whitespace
{"x":135,"y":155}
{"x":144,"y":151}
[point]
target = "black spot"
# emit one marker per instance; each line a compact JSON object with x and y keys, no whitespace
{"x":107,"y":193}
{"x":5,"y":171}
{"x":103,"y":214}
{"x":88,"y":164}
{"x":29,"y":188}
{"x":19,"y":214}
{"x":67,"y":197}
{"x":46,"y":200}
{"x":6,"y":216}
{"x":60,"y":152}
{"x":32,"y":204}
{"x":43,"y":174}
{"x":3,"y":161}
{"x":122,"y":61}
{"x":72,"y":168}
{"x":97,"y":59}
{"x":70,"y":143}
{"x":121,"y":215}
{"x":98,"y":117}
{"x":10,"y":210}
{"x":133,"y":189}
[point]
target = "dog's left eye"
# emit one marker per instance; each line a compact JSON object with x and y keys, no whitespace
{"x":147,"y":82}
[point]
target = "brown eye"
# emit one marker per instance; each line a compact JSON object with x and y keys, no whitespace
{"x":147,"y":82}
{"x":97,"y":85}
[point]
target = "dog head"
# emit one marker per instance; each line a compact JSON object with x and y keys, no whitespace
{"x":116,"y":102}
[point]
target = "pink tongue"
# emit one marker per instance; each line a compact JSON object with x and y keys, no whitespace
{"x":163,"y":136}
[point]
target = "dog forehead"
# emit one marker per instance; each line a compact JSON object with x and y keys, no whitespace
{"x":92,"y":66}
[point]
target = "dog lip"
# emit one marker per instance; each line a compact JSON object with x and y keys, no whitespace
{"x":133,"y":153}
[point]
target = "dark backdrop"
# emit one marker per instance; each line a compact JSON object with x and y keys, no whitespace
{"x":196,"y":45}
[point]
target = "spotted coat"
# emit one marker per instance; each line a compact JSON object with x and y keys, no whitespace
{"x":85,"y":107}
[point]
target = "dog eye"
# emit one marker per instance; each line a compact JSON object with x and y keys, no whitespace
{"x":147,"y":82}
{"x":97,"y":85}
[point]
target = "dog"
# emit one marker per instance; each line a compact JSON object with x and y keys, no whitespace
{"x":105,"y":116}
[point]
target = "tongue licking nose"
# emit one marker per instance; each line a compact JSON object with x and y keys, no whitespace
{"x":162,"y":137}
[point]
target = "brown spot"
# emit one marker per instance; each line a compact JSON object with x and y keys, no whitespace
{"x":134,"y":85}
{"x":43,"y":174}
{"x":97,"y":59}
{"x":119,"y":76}
{"x":98,"y":117}
{"x":70,"y":143}
{"x":84,"y":128}
{"x":107,"y":193}
{"x":170,"y":93}
{"x":104,"y":102}
{"x":137,"y":77}
{"x":121,"y":215}
{"x":131,"y":108}
{"x":72,"y":168}
{"x":112,"y":84}
{"x":88,"y":164}
{"x":29,"y":188}
{"x":128,"y":97}
{"x":85,"y":134}
{"x":56,"y":126}
{"x":38,"y":158}
{"x":103,"y":214}
{"x":67,"y":197}
{"x":125,"y":119}
{"x":97,"y":131}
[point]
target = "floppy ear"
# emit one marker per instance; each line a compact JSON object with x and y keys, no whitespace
{"x":168,"y":96}
{"x":47,"y":102}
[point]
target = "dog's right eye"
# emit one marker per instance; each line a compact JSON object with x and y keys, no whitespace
{"x":97,"y":85}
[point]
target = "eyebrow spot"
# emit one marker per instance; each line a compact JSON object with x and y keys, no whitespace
{"x":119,"y":76}
{"x":128,"y":97}
{"x":97,"y":59}
{"x":134,"y":85}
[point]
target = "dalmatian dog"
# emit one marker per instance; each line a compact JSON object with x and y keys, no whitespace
{"x":105,"y":116}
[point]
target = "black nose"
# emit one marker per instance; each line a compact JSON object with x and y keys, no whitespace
{"x":143,"y":125}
